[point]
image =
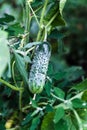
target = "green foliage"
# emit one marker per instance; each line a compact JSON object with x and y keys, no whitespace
{"x":24,"y":27}
{"x":59,"y":113}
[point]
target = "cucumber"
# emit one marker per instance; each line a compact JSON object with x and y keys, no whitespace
{"x":39,"y":67}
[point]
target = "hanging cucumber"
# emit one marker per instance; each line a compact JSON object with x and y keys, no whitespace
{"x":39,"y":67}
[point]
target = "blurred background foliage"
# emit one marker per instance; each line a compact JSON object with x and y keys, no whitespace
{"x":75,"y":14}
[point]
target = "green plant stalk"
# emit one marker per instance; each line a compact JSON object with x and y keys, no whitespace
{"x":78,"y":119}
{"x":20,"y":100}
{"x":9,"y":85}
{"x":60,"y":99}
{"x":34,"y":15}
{"x":13,"y":74}
{"x":41,"y":21}
{"x":27,"y":21}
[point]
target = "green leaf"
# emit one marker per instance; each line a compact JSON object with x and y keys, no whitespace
{"x":48,"y":87}
{"x":47,"y":123}
{"x":2,"y":124}
{"x":6,"y":19}
{"x":69,"y":122}
{"x":84,"y":96}
{"x":61,"y":5}
{"x":4,"y":53}
{"x":62,"y":125}
{"x":77,"y":103}
{"x":15,"y":29}
{"x":53,"y":13}
{"x":35,"y":123}
{"x":58,"y":21}
{"x":49,"y":108}
{"x":27,"y":119}
{"x":80,"y":86}
{"x":83,"y":114}
{"x":59,"y":93}
{"x":20,"y":63}
{"x":58,"y":114}
{"x":29,"y":45}
{"x":51,"y":10}
{"x":59,"y":76}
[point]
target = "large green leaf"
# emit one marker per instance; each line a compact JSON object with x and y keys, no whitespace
{"x":4,"y":53}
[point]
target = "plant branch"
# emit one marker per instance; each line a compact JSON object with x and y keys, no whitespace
{"x":9,"y":85}
{"x":27,"y":21}
{"x":62,"y":100}
{"x":34,"y":14}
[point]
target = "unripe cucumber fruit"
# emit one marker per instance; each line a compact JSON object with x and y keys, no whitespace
{"x":39,"y":67}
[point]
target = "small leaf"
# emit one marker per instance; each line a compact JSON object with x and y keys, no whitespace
{"x":59,"y":92}
{"x":58,"y":114}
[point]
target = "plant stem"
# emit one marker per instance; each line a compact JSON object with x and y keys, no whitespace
{"x":78,"y":119}
{"x":62,"y":100}
{"x":41,"y":20}
{"x":27,"y":21}
{"x":9,"y":85}
{"x":13,"y":74}
{"x":34,"y":14}
{"x":77,"y":96}
{"x":20,"y":100}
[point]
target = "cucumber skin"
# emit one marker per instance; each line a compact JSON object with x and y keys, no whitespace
{"x":39,"y":67}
